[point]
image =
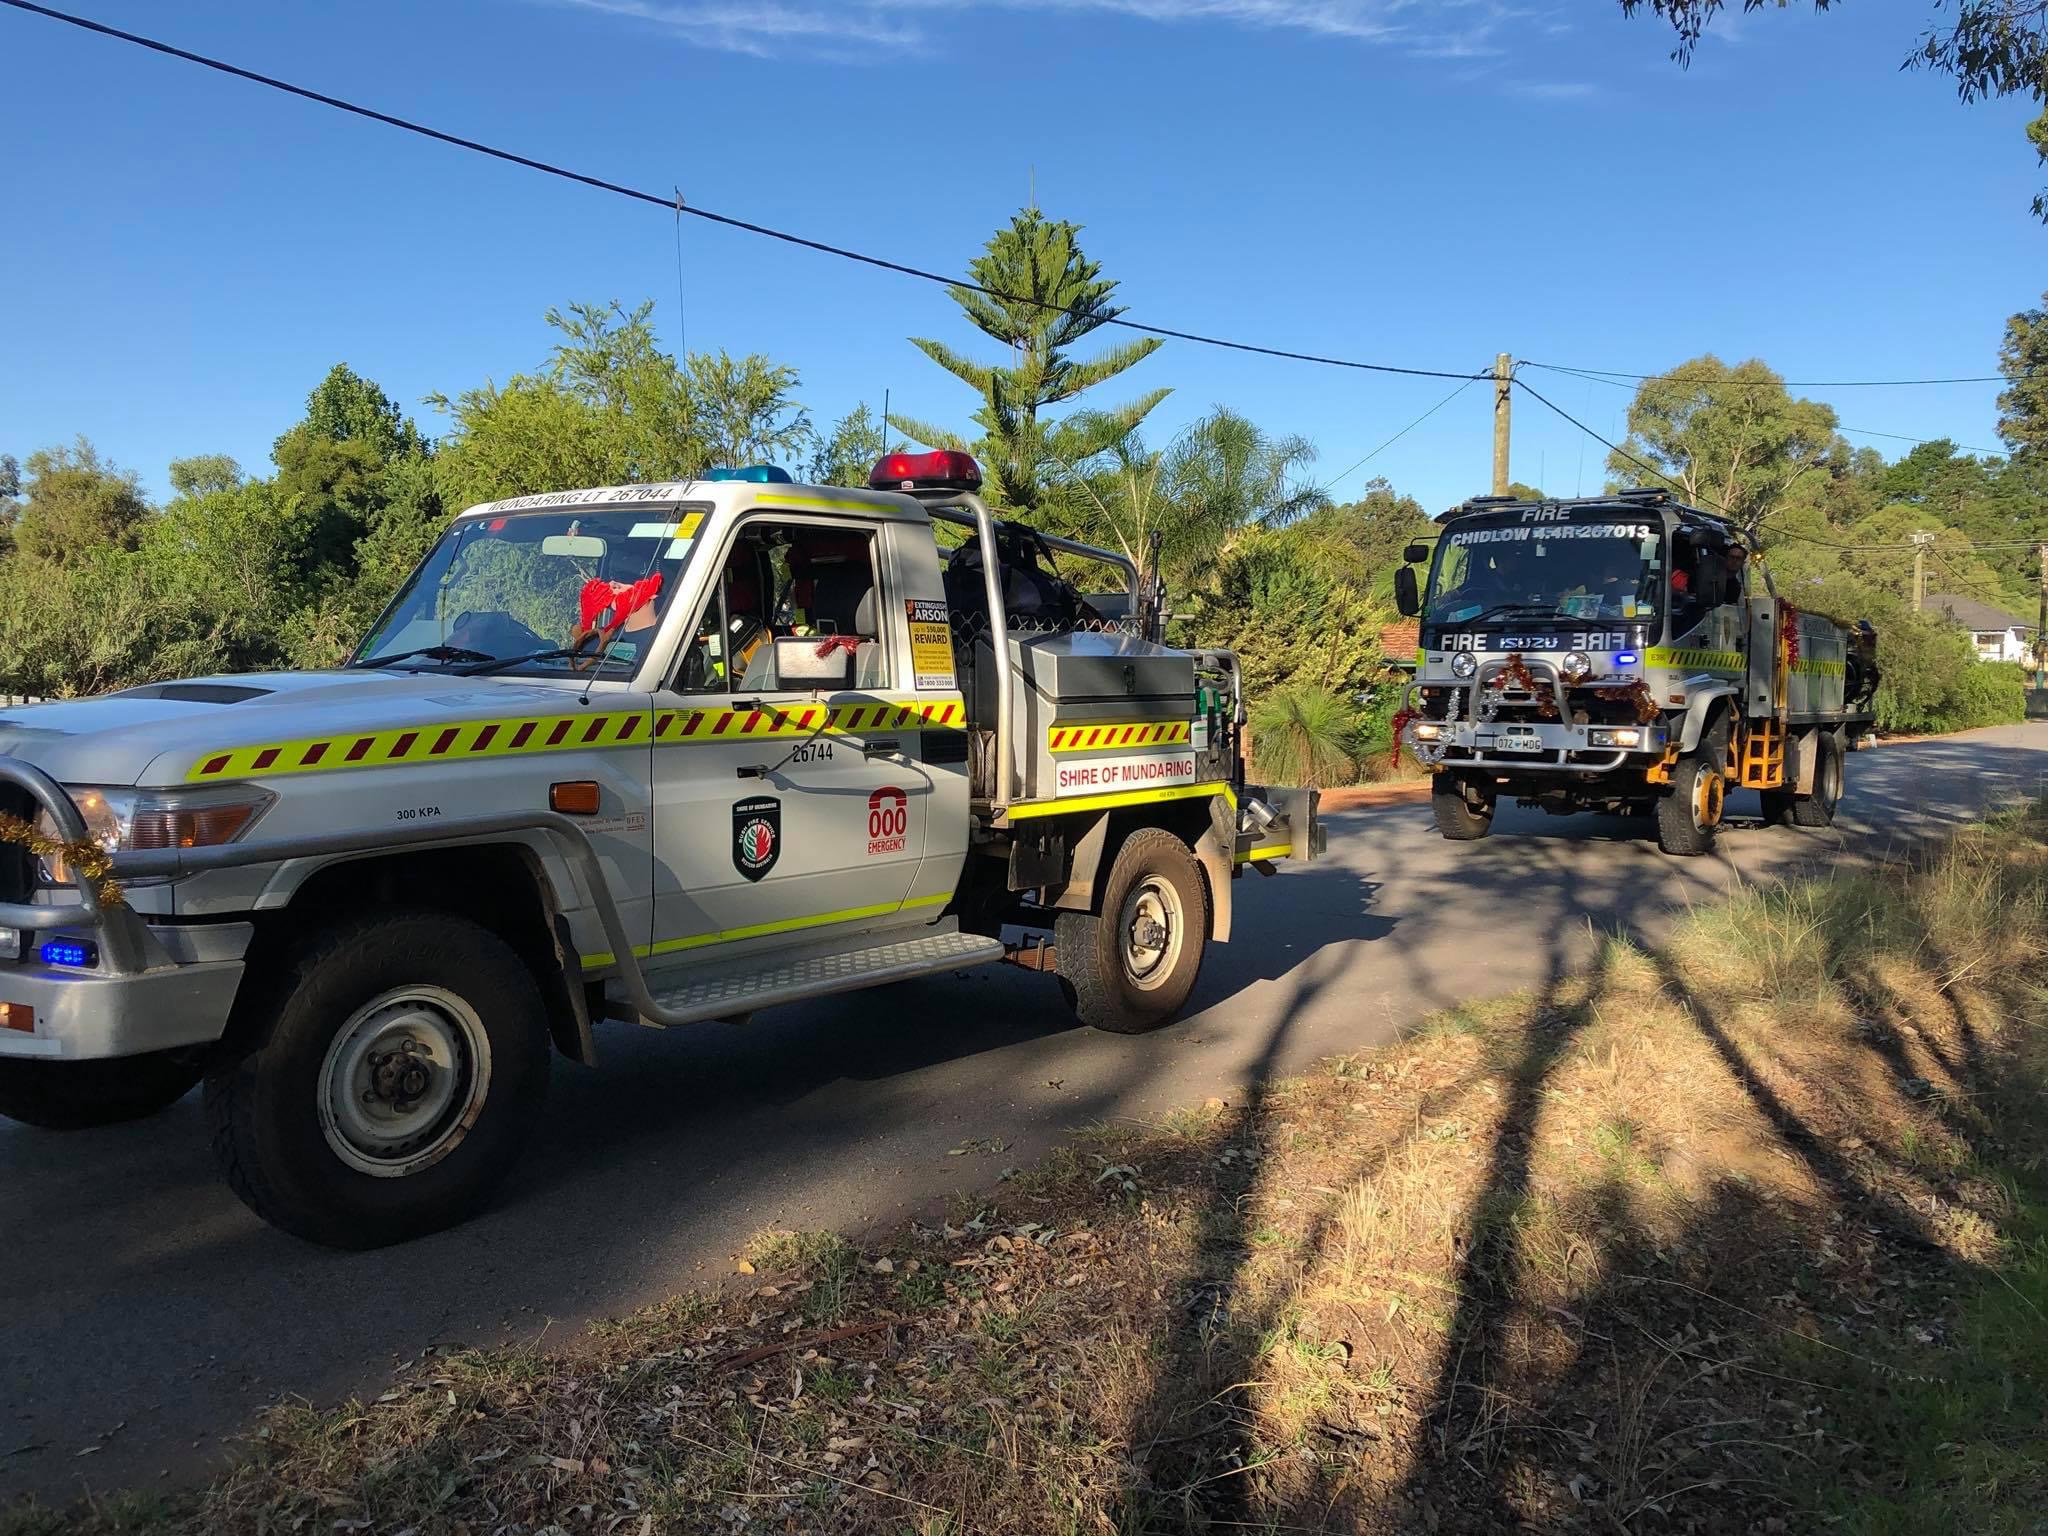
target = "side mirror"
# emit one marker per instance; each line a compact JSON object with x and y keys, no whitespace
{"x":1407,"y":594}
{"x":1415,"y":554}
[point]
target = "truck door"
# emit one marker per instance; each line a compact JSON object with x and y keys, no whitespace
{"x":783,"y":800}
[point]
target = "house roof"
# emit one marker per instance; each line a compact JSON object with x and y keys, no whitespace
{"x":1971,"y":614}
{"x":1399,"y":642}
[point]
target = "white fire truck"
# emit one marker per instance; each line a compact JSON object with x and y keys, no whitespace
{"x":1624,"y":654}
{"x":661,"y":753}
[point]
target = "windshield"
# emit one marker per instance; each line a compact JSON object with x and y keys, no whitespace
{"x":496,"y":588}
{"x":1578,"y":570}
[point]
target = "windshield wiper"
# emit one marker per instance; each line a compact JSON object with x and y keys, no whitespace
{"x":500,"y":663}
{"x":1500,"y":610}
{"x":431,"y":652}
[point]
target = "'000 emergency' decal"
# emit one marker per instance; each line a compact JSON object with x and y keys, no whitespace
{"x":569,"y":733}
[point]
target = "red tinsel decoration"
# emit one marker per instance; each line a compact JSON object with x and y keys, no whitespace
{"x":1788,"y":627}
{"x":622,"y":599}
{"x":1402,"y":718}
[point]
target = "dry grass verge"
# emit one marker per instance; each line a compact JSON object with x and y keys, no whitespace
{"x":1743,"y":1234}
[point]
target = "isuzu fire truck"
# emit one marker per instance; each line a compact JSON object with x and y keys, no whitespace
{"x":1625,"y":654}
{"x":660,"y":753}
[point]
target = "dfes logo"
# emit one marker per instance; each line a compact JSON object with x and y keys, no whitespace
{"x":756,"y":836}
{"x":888,"y":821}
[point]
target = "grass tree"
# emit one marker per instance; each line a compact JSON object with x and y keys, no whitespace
{"x":1303,"y":734}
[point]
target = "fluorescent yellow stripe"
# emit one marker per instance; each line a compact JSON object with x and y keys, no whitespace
{"x":1110,"y":802}
{"x":1687,"y":659}
{"x":818,"y":504}
{"x":402,"y":746}
{"x":1082,"y":735}
{"x":1822,"y":668}
{"x":1276,"y":851}
{"x":762,"y":930}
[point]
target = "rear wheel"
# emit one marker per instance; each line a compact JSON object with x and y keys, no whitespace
{"x":1130,"y":967}
{"x":1463,"y":811}
{"x":74,"y":1095}
{"x":1818,"y":808}
{"x":406,"y":1064}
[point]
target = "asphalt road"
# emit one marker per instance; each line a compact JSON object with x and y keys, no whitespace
{"x":145,"y":1315}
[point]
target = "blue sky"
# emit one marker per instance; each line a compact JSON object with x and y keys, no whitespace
{"x":1394,"y":180}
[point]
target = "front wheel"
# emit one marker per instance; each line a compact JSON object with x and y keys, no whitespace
{"x":1130,"y":967}
{"x":406,"y":1063}
{"x":75,"y":1095}
{"x":1690,"y":813}
{"x":1463,"y":812}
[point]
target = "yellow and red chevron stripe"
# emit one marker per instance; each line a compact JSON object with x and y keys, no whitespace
{"x":471,"y":739}
{"x":1098,"y":736}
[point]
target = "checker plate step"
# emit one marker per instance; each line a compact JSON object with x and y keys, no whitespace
{"x":770,"y":978}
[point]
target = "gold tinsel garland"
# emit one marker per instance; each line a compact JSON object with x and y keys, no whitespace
{"x":86,"y":859}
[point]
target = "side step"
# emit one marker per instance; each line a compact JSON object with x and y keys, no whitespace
{"x":767,"y":979}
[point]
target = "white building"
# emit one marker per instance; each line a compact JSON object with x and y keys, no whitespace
{"x":1998,"y":635}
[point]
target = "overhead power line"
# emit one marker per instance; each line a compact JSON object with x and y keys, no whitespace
{"x":1622,"y":383}
{"x":1418,"y":421}
{"x":1649,"y":469}
{"x":672,"y":204}
{"x":1615,"y":373}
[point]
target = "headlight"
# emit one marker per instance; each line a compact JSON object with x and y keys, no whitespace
{"x":1463,"y":664}
{"x":1576,"y":664}
{"x":1623,"y":736}
{"x":1424,"y":731}
{"x":124,"y":820}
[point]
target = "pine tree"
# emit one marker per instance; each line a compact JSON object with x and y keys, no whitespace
{"x":1054,"y":296}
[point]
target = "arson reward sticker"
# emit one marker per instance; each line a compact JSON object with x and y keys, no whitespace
{"x":1143,"y":770}
{"x":931,"y":644}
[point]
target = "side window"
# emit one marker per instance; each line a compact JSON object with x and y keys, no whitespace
{"x":808,"y":591}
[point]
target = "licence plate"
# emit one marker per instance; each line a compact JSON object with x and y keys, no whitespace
{"x":1520,"y":741}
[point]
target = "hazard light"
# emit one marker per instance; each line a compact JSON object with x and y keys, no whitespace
{"x":943,"y":470}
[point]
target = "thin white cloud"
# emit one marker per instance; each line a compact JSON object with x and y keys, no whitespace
{"x":1436,"y":28}
{"x":1552,"y":90}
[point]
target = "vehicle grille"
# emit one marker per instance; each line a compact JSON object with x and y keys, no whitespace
{"x":17,"y":864}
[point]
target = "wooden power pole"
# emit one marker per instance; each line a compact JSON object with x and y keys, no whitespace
{"x":2041,"y":627}
{"x":1503,"y":408}
{"x":1920,"y":543}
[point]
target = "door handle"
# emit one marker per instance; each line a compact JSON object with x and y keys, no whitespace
{"x":873,"y":749}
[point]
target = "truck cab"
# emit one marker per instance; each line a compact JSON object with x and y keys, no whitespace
{"x":662,"y":753}
{"x":1622,"y":653}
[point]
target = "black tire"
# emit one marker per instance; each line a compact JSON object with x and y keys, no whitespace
{"x":1690,"y":813}
{"x":1455,"y":817}
{"x":1103,"y":981}
{"x":288,"y":1152}
{"x":1818,"y":808}
{"x":75,"y":1095}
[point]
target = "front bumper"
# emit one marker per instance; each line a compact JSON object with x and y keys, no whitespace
{"x":1554,"y":746}
{"x":1542,"y":745}
{"x":79,"y":1015}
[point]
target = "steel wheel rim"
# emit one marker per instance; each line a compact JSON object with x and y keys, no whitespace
{"x":1151,"y":930}
{"x":1707,"y":794}
{"x":1831,"y":777}
{"x":403,"y":1081}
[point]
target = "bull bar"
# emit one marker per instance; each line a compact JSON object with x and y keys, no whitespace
{"x":1559,"y":737}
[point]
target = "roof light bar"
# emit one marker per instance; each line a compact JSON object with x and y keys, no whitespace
{"x":943,"y":470}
